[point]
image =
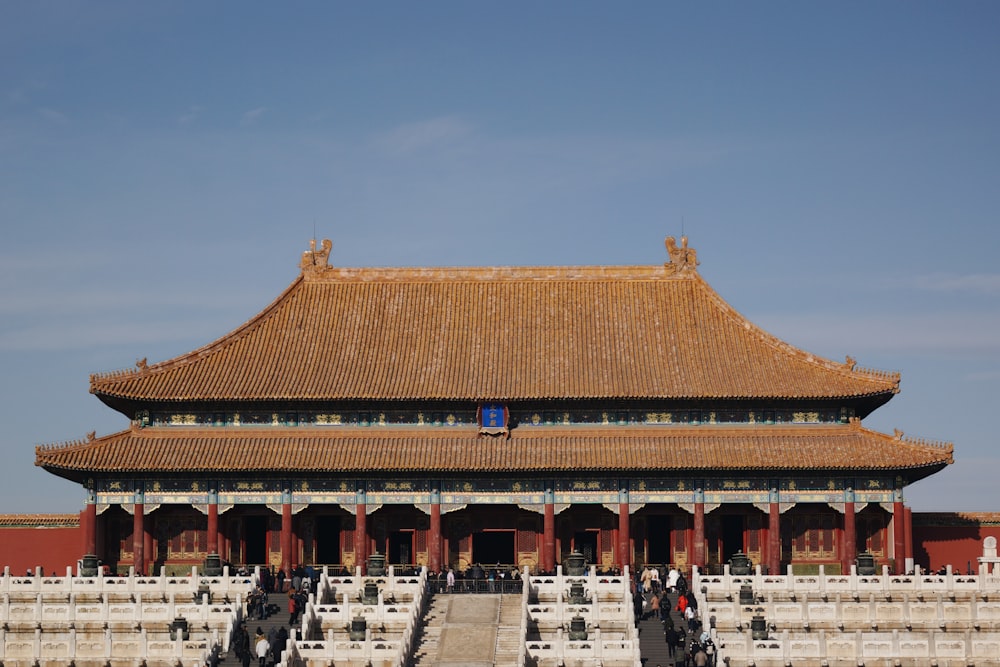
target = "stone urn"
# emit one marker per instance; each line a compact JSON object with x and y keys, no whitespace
{"x":370,"y":593}
{"x":575,"y":565}
{"x":866,"y":564}
{"x":179,"y":628}
{"x":212,"y":566}
{"x":740,"y":564}
{"x":358,"y":627}
{"x":89,"y":565}
{"x":576,"y":593}
{"x":376,"y":565}
{"x":577,"y":629}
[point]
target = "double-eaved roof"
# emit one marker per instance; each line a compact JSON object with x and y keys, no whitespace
{"x":653,"y":334}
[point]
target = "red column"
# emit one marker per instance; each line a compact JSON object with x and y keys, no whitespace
{"x":434,"y":535}
{"x":898,"y":536}
{"x":88,"y":524}
{"x":361,"y":535}
{"x":549,"y":533}
{"x":774,"y":537}
{"x":698,"y":551}
{"x":221,"y":541}
{"x":147,"y":541}
{"x":138,"y":539}
{"x":624,"y":536}
{"x":213,"y":523}
{"x":286,"y":538}
{"x":850,"y":537}
{"x":909,"y":533}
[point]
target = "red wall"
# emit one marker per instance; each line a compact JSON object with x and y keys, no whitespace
{"x":952,"y":538}
{"x":53,"y":547}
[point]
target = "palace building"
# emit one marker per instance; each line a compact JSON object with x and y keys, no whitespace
{"x":449,"y":416}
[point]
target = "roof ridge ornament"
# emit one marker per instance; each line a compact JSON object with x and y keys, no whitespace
{"x":683,"y":258}
{"x":315,"y":261}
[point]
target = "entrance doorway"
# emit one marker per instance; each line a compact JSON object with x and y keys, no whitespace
{"x":586,"y":543}
{"x":327,"y":540}
{"x":494,"y":546}
{"x":401,"y":547}
{"x":732,"y":535}
{"x":658,"y":536}
{"x":256,"y":540}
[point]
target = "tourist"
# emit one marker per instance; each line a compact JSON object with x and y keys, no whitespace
{"x":293,"y":607}
{"x":451,"y":580}
{"x":672,"y":579}
{"x":280,"y":641}
{"x":261,"y":647}
{"x":673,"y":639}
{"x":664,"y":606}
{"x":691,"y":616}
{"x":241,"y":645}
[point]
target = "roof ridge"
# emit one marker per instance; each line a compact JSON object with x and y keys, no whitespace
{"x":570,"y":272}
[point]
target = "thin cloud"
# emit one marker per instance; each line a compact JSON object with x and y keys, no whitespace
{"x":53,"y":116}
{"x":191,"y":116}
{"x":413,"y":137}
{"x":973,"y":283}
{"x":252,"y":116}
{"x":956,"y":333}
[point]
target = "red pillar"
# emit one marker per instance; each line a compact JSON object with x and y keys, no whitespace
{"x":624,"y":536}
{"x":698,"y":552}
{"x":286,"y":538}
{"x":361,"y":535}
{"x":434,"y":535}
{"x":147,"y":541}
{"x":898,"y":536}
{"x":221,"y":541}
{"x":909,"y":533}
{"x":213,"y":524}
{"x":88,"y":524}
{"x":774,"y":537}
{"x":549,"y":533}
{"x":850,"y":538}
{"x":138,"y":539}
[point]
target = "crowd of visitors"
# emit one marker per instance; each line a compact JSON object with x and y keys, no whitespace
{"x":689,"y":643}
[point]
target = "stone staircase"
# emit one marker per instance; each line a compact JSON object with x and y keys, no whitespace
{"x":652,"y":642}
{"x":469,"y":631}
{"x":275,"y":620}
{"x":509,"y":631}
{"x":428,"y":637}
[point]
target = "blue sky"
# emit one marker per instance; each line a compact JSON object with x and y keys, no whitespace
{"x":836,"y":165}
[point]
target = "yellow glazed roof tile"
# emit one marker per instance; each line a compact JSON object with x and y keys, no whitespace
{"x":504,"y":333}
{"x":442,"y":449}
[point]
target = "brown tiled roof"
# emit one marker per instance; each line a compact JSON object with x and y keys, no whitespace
{"x":952,"y":519}
{"x":39,"y":520}
{"x":495,"y":333}
{"x":459,"y":449}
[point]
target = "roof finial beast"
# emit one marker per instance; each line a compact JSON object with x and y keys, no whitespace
{"x":684,"y":258}
{"x":313,"y":260}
